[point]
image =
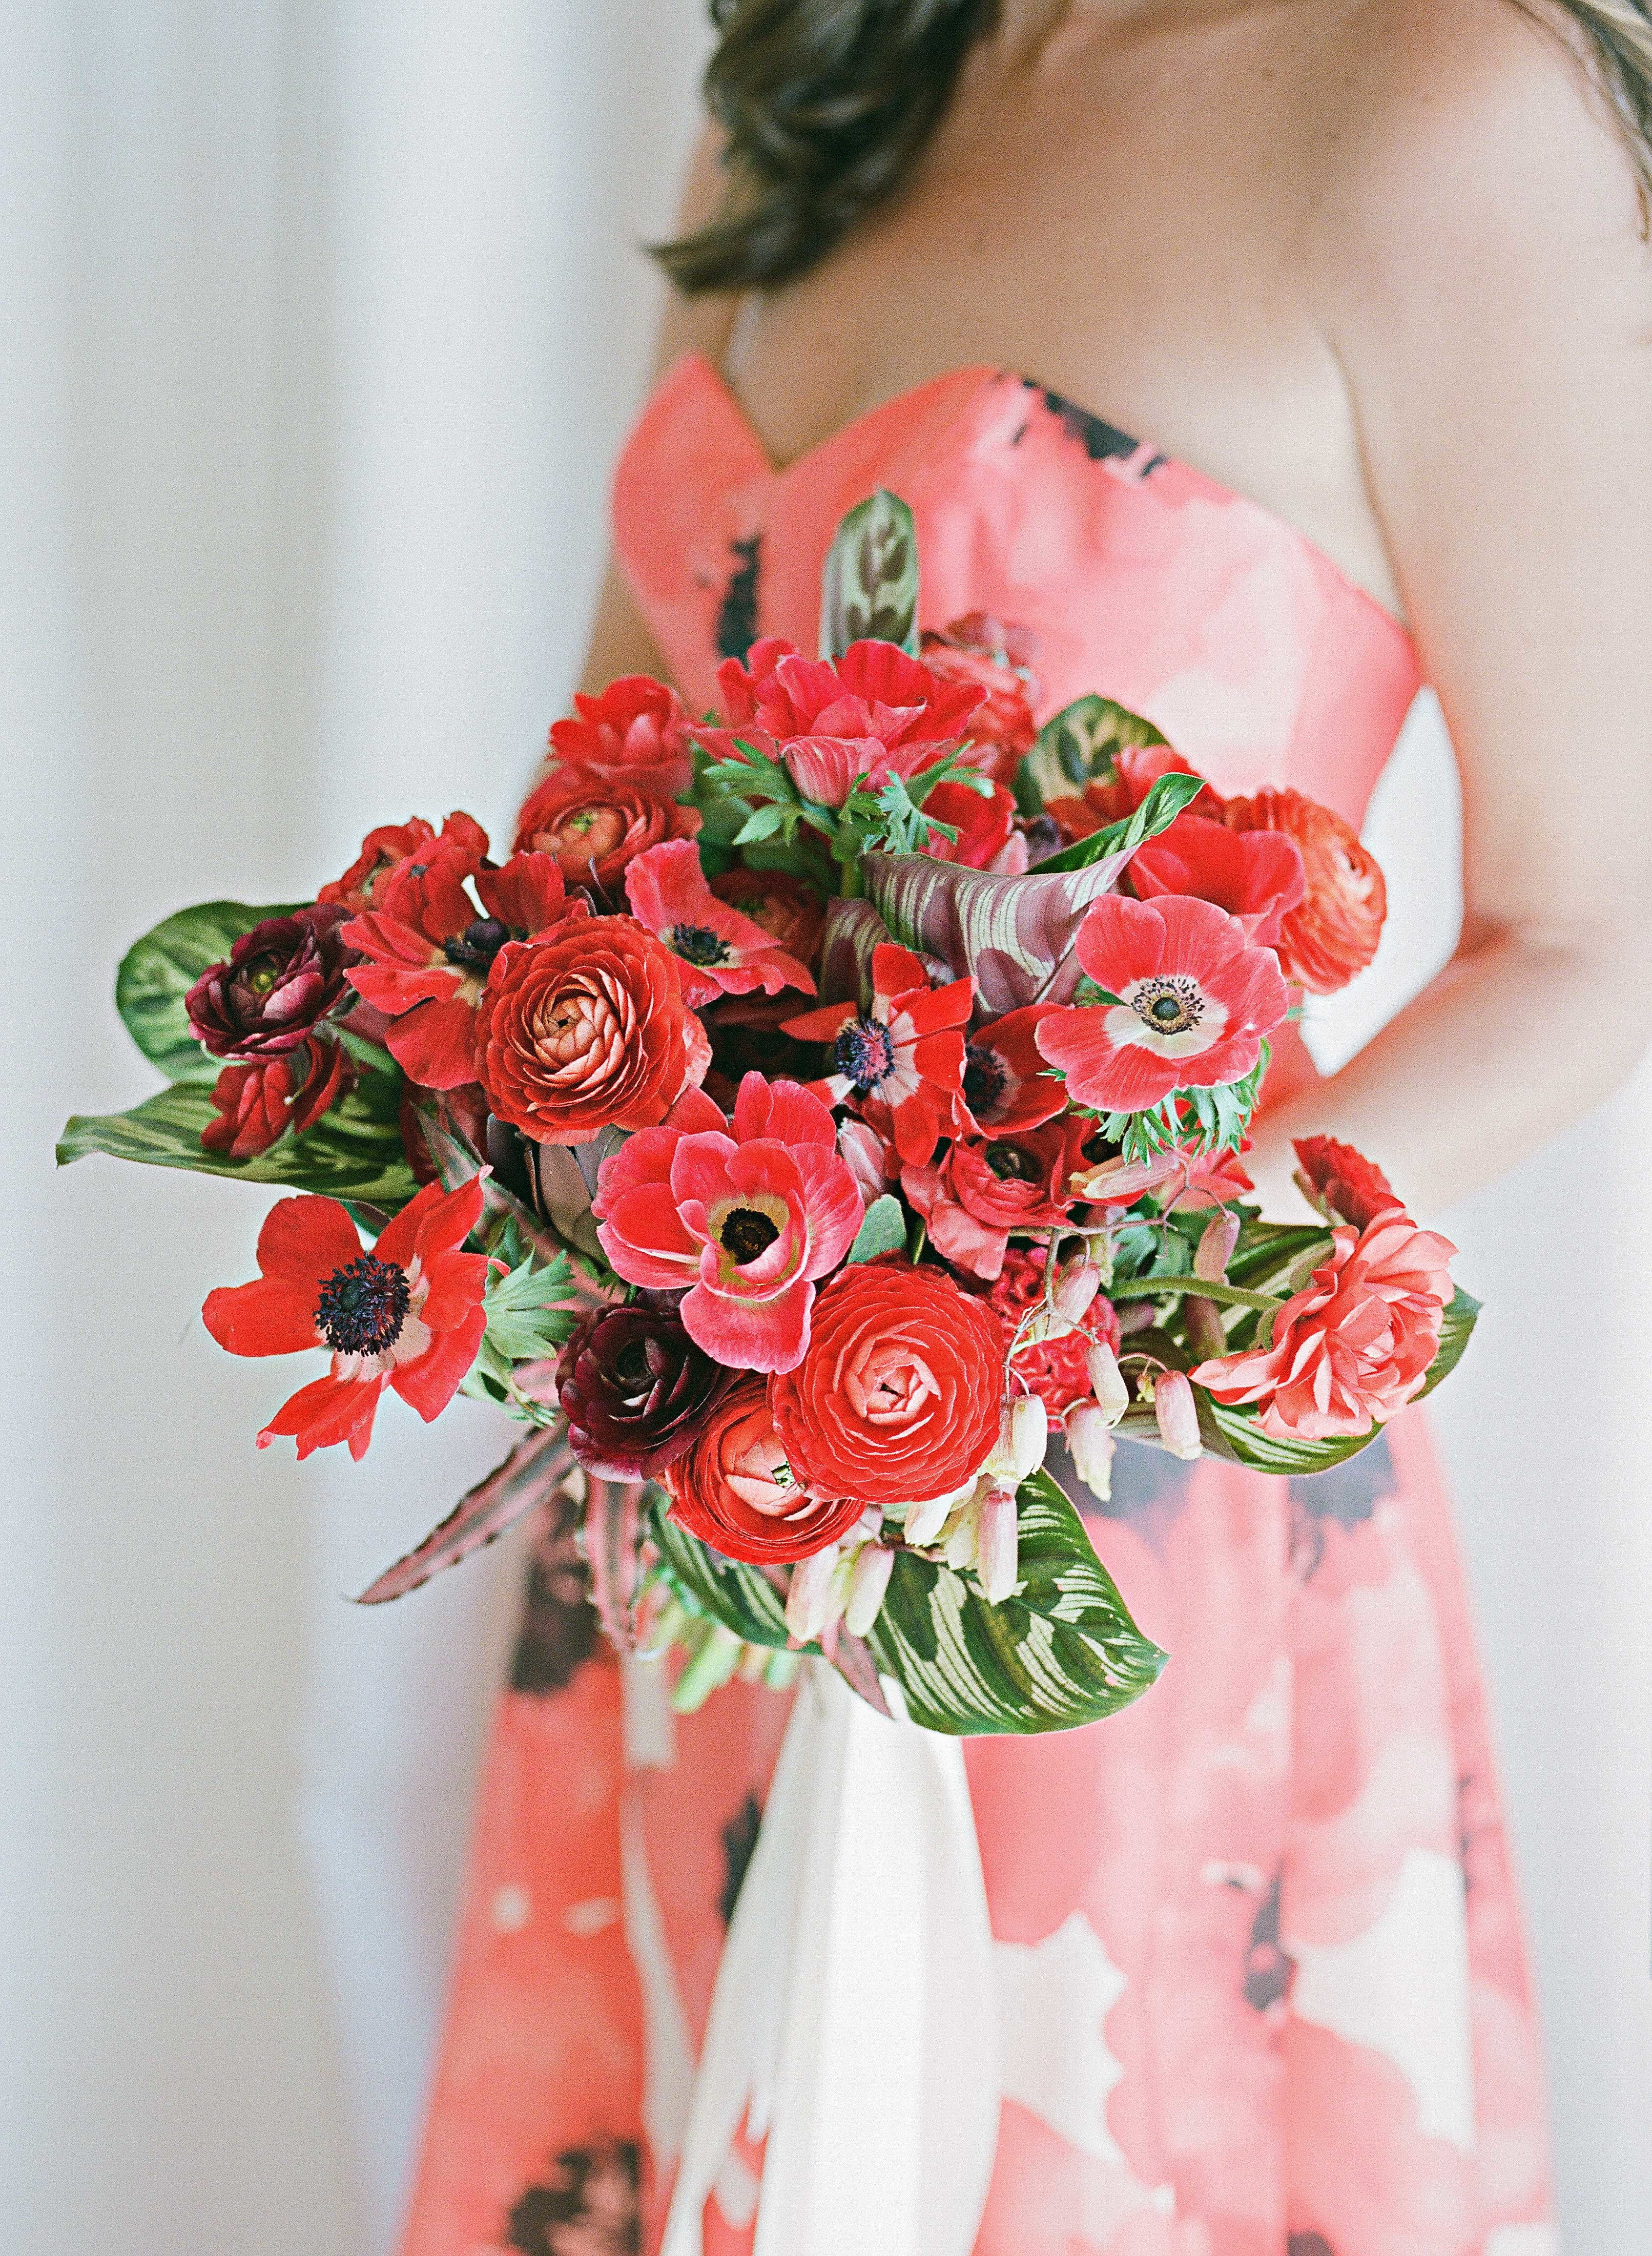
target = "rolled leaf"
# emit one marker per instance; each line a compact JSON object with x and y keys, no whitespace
{"x":1015,"y":935}
{"x":158,"y":971}
{"x":853,"y":929}
{"x":1169,"y":796}
{"x":537,"y":1470}
{"x":354,"y":1152}
{"x":1060,"y":1652}
{"x":733,"y":1591}
{"x":613,"y":1532}
{"x":868,"y":588}
{"x":1076,"y":746}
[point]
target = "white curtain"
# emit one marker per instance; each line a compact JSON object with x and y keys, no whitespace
{"x":319,"y":322}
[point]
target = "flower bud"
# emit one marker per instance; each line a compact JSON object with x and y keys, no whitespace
{"x":1107,"y":1382}
{"x":867,"y":1583}
{"x":808,"y":1600}
{"x":996,"y":1544}
{"x":1089,"y":1439}
{"x":1177,"y":1414}
{"x":1075,"y":1287}
{"x":924,"y":1521}
{"x":1022,"y":1439}
{"x":1203,"y":1320}
{"x":1216,"y":1247}
{"x":962,"y":1535}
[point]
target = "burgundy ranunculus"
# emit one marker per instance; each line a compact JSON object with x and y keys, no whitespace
{"x":635,"y":1389}
{"x":278,"y":980}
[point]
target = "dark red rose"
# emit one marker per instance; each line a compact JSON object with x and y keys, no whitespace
{"x":735,"y":1491}
{"x":278,"y":980}
{"x":593,"y":826}
{"x":257,"y":1103}
{"x":635,"y":1390}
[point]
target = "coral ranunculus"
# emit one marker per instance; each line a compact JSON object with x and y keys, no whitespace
{"x":900,"y":1396}
{"x":1356,"y":1345}
{"x":721,"y":952}
{"x":586,"y":1029}
{"x":1333,"y":933}
{"x":408,"y":1313}
{"x":977,"y":1191}
{"x":276,"y":981}
{"x":1342,"y":1182}
{"x":735,"y":1491}
{"x":594,"y":827}
{"x":634,"y":733}
{"x":748,"y":1220}
{"x":635,"y":1390}
{"x":1194,"y":1000}
{"x":901,"y":1061}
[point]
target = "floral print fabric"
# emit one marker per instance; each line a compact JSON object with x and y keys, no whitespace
{"x":1259,"y":1964}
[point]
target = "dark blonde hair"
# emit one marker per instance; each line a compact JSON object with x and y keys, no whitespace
{"x":826,"y":104}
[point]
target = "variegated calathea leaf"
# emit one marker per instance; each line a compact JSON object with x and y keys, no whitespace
{"x":733,"y":1591}
{"x":868,"y":588}
{"x":853,"y":929}
{"x":1060,"y":1652}
{"x":1015,"y":935}
{"x":539,"y":1468}
{"x":158,"y":971}
{"x":1074,"y":745}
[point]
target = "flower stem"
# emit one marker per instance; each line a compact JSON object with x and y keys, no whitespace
{"x":1232,"y":1296}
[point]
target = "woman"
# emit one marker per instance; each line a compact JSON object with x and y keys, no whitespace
{"x":1375,"y":279}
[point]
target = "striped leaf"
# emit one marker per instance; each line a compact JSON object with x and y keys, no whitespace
{"x":534,"y":1472}
{"x":736,"y":1593}
{"x":869,"y":590}
{"x":1062,"y":1651}
{"x":1073,"y":746}
{"x":158,"y":970}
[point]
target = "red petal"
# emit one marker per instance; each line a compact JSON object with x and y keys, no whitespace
{"x":432,"y":1382}
{"x":896,"y":971}
{"x":434,"y":1044}
{"x":449,"y":1220}
{"x":305,"y":1239}
{"x":823,"y":1025}
{"x":326,"y":1412}
{"x":399,"y":1237}
{"x":269,"y":1317}
{"x":457,"y":1281}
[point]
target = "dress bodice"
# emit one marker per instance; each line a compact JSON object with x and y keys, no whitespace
{"x":1141,"y":577}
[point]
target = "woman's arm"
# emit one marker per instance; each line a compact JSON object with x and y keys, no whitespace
{"x":620,"y":642}
{"x":1489,"y":295}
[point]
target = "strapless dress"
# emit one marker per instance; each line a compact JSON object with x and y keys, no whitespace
{"x":1260,"y":1976}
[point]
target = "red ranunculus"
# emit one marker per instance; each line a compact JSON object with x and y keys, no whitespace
{"x":409,"y":1313}
{"x":1255,"y":875}
{"x":392,"y":844}
{"x":1007,"y":1087}
{"x":900,"y":1062}
{"x":976,"y":1192}
{"x":901,"y":1395}
{"x":1333,"y":933}
{"x":586,"y":1029}
{"x":1356,"y":1345}
{"x":789,"y":909}
{"x":1111,"y":798}
{"x":747,"y":1213}
{"x":1194,"y":1001}
{"x":1055,"y":1370}
{"x":594,"y":827}
{"x":257,"y":1103}
{"x":721,"y":952}
{"x":997,"y":659}
{"x":1343,"y":1184}
{"x":734,"y":1490}
{"x":276,"y":981}
{"x":427,"y":945}
{"x":985,"y":822}
{"x":632,"y":733}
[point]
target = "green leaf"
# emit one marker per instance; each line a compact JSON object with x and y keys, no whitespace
{"x":158,"y":970}
{"x":1061,"y":1652}
{"x":1156,"y":812}
{"x":883,"y":1232}
{"x":354,"y":1152}
{"x":730,"y":1590}
{"x":524,"y":1324}
{"x":869,"y":590}
{"x":1456,"y":1329}
{"x":1077,"y":744}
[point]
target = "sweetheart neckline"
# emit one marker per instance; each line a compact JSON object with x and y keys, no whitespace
{"x":981,"y":373}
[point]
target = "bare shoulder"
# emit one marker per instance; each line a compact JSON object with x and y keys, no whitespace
{"x":1449,"y":131}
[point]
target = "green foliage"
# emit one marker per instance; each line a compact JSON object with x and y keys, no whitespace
{"x":1157,"y":812}
{"x":525,"y":1325}
{"x":869,"y":588}
{"x":883,"y":1232}
{"x":1074,"y":747}
{"x":732,"y":1591}
{"x":158,"y":971}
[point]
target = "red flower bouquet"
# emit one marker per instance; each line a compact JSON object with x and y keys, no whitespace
{"x":826,"y":1106}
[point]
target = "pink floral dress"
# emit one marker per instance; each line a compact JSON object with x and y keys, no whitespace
{"x":1261,"y":1968}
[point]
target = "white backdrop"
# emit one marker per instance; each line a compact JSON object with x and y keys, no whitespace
{"x":319,"y":324}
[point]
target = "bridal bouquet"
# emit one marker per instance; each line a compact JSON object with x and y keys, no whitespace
{"x":823,"y":1130}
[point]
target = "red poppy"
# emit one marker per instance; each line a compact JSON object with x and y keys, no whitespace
{"x":747,"y":1213}
{"x":428,"y":947}
{"x":594,"y":827}
{"x":721,"y":951}
{"x":1111,"y":798}
{"x":1007,"y":1087}
{"x":257,"y":1103}
{"x":734,"y":1489}
{"x":409,"y":1312}
{"x":634,"y":733}
{"x":900,"y":1061}
{"x":1193,"y":1001}
{"x":392,"y":844}
{"x":1333,"y":933}
{"x":1255,"y":875}
{"x":984,"y":821}
{"x":976,"y":1192}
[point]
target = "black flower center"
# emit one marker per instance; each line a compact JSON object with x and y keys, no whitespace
{"x":363,"y":1307}
{"x":697,"y":943}
{"x":984,"y":1078}
{"x":476,"y":947}
{"x":1011,"y":1164}
{"x":1168,"y":1006}
{"x":638,"y":1362}
{"x":864,"y":1054}
{"x":746,"y":1233}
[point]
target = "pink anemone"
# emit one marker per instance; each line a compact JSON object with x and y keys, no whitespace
{"x":721,"y":952}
